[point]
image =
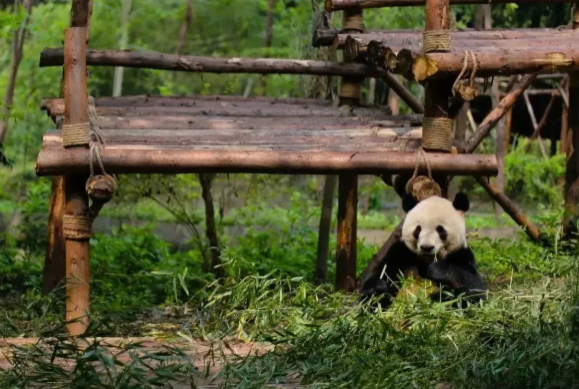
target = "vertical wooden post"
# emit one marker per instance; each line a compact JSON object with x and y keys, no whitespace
{"x":346,"y":257}
{"x":321,"y":274}
{"x":572,"y":169}
{"x":564,"y":130}
{"x":437,"y":125}
{"x":77,"y":251}
{"x":54,"y":263}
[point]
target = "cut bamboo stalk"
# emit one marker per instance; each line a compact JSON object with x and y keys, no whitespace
{"x":151,"y":60}
{"x":77,"y":251}
{"x":340,"y":5}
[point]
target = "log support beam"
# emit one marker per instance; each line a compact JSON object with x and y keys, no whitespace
{"x":77,"y":248}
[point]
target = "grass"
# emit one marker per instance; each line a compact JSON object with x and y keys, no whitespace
{"x":525,"y":335}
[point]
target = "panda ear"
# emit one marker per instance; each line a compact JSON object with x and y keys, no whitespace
{"x":461,"y":202}
{"x":408,"y":202}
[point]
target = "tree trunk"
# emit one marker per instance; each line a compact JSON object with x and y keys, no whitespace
{"x":185,"y":27}
{"x":17,"y":49}
{"x":123,"y":43}
{"x":321,"y":275}
{"x":210,"y":227}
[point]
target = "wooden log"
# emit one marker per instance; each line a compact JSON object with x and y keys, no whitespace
{"x":346,"y":250}
{"x":126,"y":160}
{"x":54,"y":271}
{"x":80,"y":13}
{"x":419,"y":67}
{"x":412,"y":39}
{"x":151,"y":60}
{"x":323,"y":254}
{"x":510,"y":208}
{"x":340,"y":5}
{"x":351,"y":85}
{"x":355,"y":50}
{"x":564,"y":130}
{"x":77,"y":251}
{"x":497,"y":113}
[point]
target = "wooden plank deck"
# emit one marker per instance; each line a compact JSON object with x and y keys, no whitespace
{"x":148,"y":134}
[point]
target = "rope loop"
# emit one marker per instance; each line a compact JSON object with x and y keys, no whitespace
{"x":468,"y":90}
{"x":77,"y":227}
{"x":436,"y":40}
{"x":422,"y":187}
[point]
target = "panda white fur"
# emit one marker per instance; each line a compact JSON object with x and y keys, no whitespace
{"x":433,"y":246}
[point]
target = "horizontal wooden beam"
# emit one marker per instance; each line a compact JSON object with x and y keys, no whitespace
{"x":417,"y":66}
{"x":413,"y":38}
{"x":155,"y":159}
{"x":340,"y":5}
{"x":152,"y":60}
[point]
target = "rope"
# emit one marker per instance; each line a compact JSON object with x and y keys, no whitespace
{"x":422,"y":187}
{"x":76,"y":227}
{"x":75,"y":134}
{"x":353,"y":20}
{"x":436,"y":40}
{"x":421,"y":153}
{"x":468,"y":91}
{"x":437,"y":134}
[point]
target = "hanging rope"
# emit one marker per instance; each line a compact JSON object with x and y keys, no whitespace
{"x":467,"y":89}
{"x":436,"y":40}
{"x":100,"y":187}
{"x":422,"y":187}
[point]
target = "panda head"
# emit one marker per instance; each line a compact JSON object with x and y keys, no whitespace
{"x":435,"y":226}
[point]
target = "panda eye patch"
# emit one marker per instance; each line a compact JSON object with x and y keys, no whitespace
{"x":417,"y":231}
{"x":442,"y":232}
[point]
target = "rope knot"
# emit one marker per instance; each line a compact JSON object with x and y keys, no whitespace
{"x":437,"y":134}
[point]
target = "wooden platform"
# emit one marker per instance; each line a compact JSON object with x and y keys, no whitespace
{"x":227,"y":134}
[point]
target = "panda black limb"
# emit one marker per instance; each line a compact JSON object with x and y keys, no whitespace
{"x":432,"y":246}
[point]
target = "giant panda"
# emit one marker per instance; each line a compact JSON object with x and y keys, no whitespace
{"x":433,"y":246}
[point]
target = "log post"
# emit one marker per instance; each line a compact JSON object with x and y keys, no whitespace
{"x":77,"y":238}
{"x":346,"y":257}
{"x":321,"y":274}
{"x":437,"y":125}
{"x":572,"y":169}
{"x":55,"y":262}
{"x":346,"y":253}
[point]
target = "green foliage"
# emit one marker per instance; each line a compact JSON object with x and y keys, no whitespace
{"x":534,"y":179}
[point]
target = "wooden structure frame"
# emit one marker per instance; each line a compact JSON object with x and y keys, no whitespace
{"x":221,"y":134}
